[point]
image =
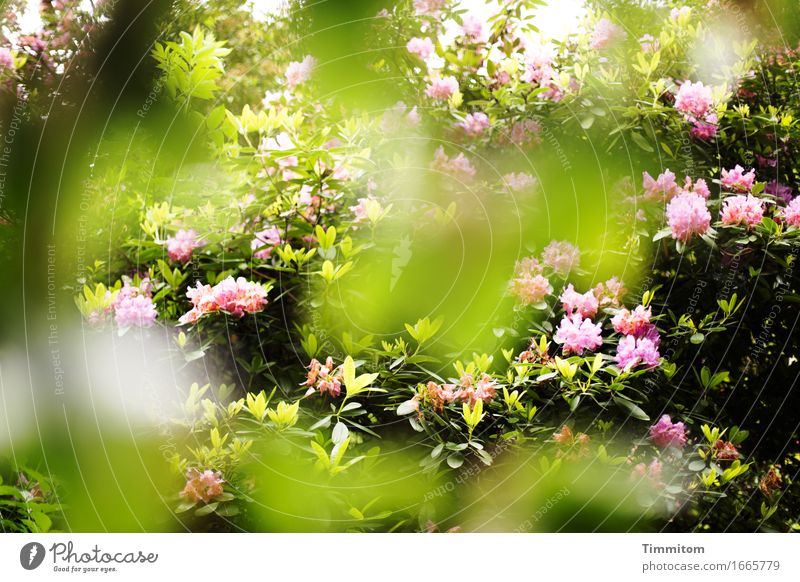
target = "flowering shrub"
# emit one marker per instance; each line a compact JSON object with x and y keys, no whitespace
{"x":259,"y":264}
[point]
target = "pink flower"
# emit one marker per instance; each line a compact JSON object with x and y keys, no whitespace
{"x":474,"y":124}
{"x":662,"y":188}
{"x":459,"y":167}
{"x":422,"y":47}
{"x":6,"y":58}
{"x":239,"y":296}
{"x":745,"y":210}
{"x":300,"y":72}
{"x":539,"y":61}
{"x":676,"y":13}
{"x":737,"y":181}
{"x":604,"y":33}
{"x":180,"y":246}
{"x":700,"y":187}
{"x":428,"y":7}
{"x":584,"y":303}
{"x":471,"y":391}
{"x":525,"y":132}
{"x":632,"y":351}
{"x":693,"y":99}
{"x":137,"y":311}
{"x":666,"y":434}
{"x":791,"y":213}
{"x":528,"y":266}
{"x":649,"y":44}
{"x":651,"y":473}
{"x":472,"y":28}
{"x":326,"y":379}
{"x":204,"y":486}
{"x":441,"y":88}
{"x":519,"y":182}
{"x":264,"y":242}
{"x":133,"y":306}
{"x":578,"y":334}
{"x":561,"y":256}
{"x":635,"y":323}
{"x":235,"y":297}
{"x":703,"y":130}
{"x":531,"y":289}
{"x":688,"y":215}
{"x":725,"y":450}
{"x":610,"y":293}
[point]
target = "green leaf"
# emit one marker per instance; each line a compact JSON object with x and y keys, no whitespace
{"x":696,"y":465}
{"x":206,"y":509}
{"x":640,"y":141}
{"x":632,"y":408}
{"x":455,"y":460}
{"x":407,"y":407}
{"x":340,"y":433}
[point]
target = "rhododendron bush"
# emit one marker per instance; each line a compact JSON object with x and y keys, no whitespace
{"x":411,"y":266}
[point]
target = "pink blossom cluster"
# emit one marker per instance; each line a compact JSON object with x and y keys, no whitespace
{"x":650,"y":473}
{"x":584,"y":303}
{"x":181,"y":246}
{"x":566,"y":438}
{"x":474,"y":124}
{"x":530,"y":286}
{"x":540,"y":70}
{"x":325,"y":379}
{"x":649,"y":43}
{"x":700,"y":187}
{"x":695,"y":101}
{"x":577,"y":334}
{"x":725,"y":450}
{"x":662,"y":188}
{"x":428,"y":7}
{"x":561,"y":256}
{"x":704,"y":130}
{"x":205,"y":486}
{"x":133,"y":305}
{"x":742,"y":210}
{"x":610,"y":293}
{"x":472,"y":29}
{"x":441,"y":88}
{"x":265,"y":241}
{"x":470,"y":390}
{"x":605,"y":33}
{"x":737,"y":180}
{"x":791,"y":212}
{"x":519,"y":181}
{"x":6,"y":58}
{"x":422,"y":47}
{"x":633,"y":351}
{"x":459,"y":167}
{"x":677,"y":13}
{"x":687,"y":215}
{"x":780,"y":191}
{"x":666,"y":433}
{"x":235,"y":297}
{"x":635,"y":323}
{"x":525,"y":132}
{"x":298,"y":72}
